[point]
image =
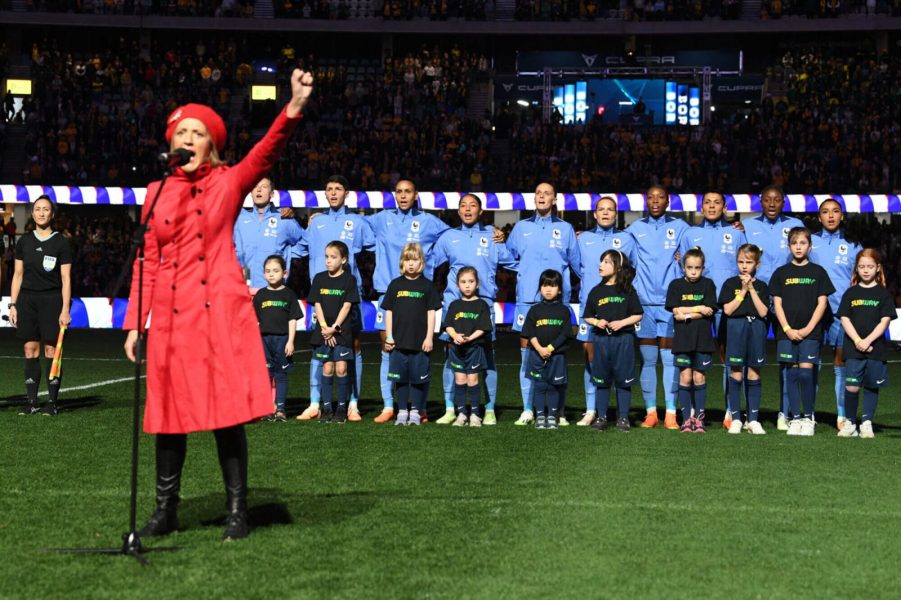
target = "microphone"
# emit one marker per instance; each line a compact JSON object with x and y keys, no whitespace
{"x":176,"y":158}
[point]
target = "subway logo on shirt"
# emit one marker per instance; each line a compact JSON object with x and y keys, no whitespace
{"x":693,"y":297}
{"x":549,"y":323}
{"x":465,"y":315}
{"x":611,"y":300}
{"x":800,"y":281}
{"x":873,"y":303}
{"x":328,"y":292}
{"x":409,"y":294}
{"x":274,"y":304}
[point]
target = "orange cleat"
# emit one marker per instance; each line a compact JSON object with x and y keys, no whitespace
{"x":727,"y":420}
{"x":385,"y":416}
{"x":353,"y":415}
{"x":308,"y":414}
{"x":650,"y":421}
{"x":670,"y":421}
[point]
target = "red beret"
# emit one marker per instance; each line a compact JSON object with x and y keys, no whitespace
{"x":206,"y":115}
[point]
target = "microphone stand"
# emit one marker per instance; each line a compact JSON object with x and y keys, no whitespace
{"x":131,"y":541}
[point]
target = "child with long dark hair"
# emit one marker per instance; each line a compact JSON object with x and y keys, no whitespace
{"x":612,"y":309}
{"x":548,"y":330}
{"x":865,"y":311}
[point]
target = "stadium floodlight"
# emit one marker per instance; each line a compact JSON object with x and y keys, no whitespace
{"x":523,"y":103}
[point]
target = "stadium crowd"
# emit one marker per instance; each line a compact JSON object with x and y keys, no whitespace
{"x":631,"y":10}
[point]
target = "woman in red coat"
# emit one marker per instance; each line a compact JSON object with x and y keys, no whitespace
{"x":205,"y":364}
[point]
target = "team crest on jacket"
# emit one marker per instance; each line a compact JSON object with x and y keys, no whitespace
{"x":556,"y":234}
{"x":727,"y":238}
{"x":670,"y":234}
{"x":379,"y":317}
{"x":483,"y":242}
{"x":348,"y":225}
{"x":273,"y":222}
{"x":617,"y":242}
{"x":49,"y":263}
{"x":520,"y":319}
{"x":785,"y":231}
{"x":414,"y":226}
{"x":843,"y":249}
{"x":583,"y":329}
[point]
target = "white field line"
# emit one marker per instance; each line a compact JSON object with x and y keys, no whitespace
{"x":93,"y":385}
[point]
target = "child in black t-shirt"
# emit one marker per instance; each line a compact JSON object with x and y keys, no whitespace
{"x":277,"y":312}
{"x":466,"y":322}
{"x":333,"y":293}
{"x":866,"y":310}
{"x":612,"y":309}
{"x":692,"y":300}
{"x":548,"y":329}
{"x":745,"y":303}
{"x":410,"y":303}
{"x":800,"y":291}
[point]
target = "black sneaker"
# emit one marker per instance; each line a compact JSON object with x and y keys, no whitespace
{"x":552,"y":422}
{"x":280,"y":417}
{"x":29,"y":408}
{"x":340,"y":416}
{"x":540,"y":422}
{"x":50,"y":410}
{"x":325,"y":416}
{"x":623,"y":425}
{"x":270,"y":418}
{"x":600,"y":424}
{"x":236,"y":526}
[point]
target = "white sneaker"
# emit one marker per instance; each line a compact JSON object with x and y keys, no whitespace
{"x":562,"y":422}
{"x":794,"y":427}
{"x":475,"y":421}
{"x":746,"y":426}
{"x":840,"y":421}
{"x":756,"y":428}
{"x":848,"y":430}
{"x":808,"y":427}
{"x":447,"y":418}
{"x":866,"y":430}
{"x":525,"y":418}
{"x":735,"y":426}
{"x":460,"y":421}
{"x":587,"y":418}
{"x":782,"y":423}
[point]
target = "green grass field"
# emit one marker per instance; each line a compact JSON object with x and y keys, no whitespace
{"x":366,"y":510}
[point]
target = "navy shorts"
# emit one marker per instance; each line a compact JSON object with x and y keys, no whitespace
{"x":865,"y":372}
{"x":274,"y":349}
{"x":697,"y":361}
{"x":407,"y":366}
{"x":552,"y":371}
{"x":795,"y":353}
{"x":746,"y":342}
{"x":37,"y":316}
{"x":467,"y":359}
{"x":325,"y":353}
{"x":614,"y":360}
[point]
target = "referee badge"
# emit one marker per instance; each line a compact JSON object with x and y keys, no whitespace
{"x":273,"y":222}
{"x":483,"y":242}
{"x":617,"y":243}
{"x":348,"y":225}
{"x":49,"y":263}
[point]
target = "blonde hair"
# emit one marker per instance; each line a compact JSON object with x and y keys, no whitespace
{"x":412,"y":251}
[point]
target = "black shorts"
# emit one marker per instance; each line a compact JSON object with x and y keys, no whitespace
{"x":339,"y":353}
{"x":552,"y":371}
{"x":614,"y":360}
{"x":697,"y":361}
{"x":274,"y":349}
{"x":407,"y":366}
{"x":467,"y":359}
{"x":37,"y":318}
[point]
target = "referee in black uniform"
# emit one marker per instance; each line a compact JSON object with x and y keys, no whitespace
{"x":41,"y":294}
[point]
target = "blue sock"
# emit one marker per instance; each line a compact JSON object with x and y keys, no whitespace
{"x":460,"y":390}
{"x":358,"y":377}
{"x":325,"y":389}
{"x":670,"y":379}
{"x":447,"y":378}
{"x":808,"y":390}
{"x":839,"y":389}
{"x":700,"y":399}
{"x":403,"y":396}
{"x":754,"y":393}
{"x":734,"y":397}
{"x":726,"y":378}
{"x":685,"y":401}
{"x":590,"y":402}
{"x":315,"y":377}
{"x":852,"y":399}
{"x":418,"y":394}
{"x":648,"y":377}
{"x":793,"y":392}
{"x":623,"y":400}
{"x":539,"y":395}
{"x":386,"y":383}
{"x":343,"y":385}
{"x":555,"y":395}
{"x":474,"y":392}
{"x":602,"y":397}
{"x":281,"y":390}
{"x":870,"y":398}
{"x":491,"y":385}
{"x":525,"y":383}
{"x":783,"y":390}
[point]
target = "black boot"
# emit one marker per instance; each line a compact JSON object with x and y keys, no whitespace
{"x":170,"y":458}
{"x":232,"y":446}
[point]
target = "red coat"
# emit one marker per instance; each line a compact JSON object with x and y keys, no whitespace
{"x":205,"y":362}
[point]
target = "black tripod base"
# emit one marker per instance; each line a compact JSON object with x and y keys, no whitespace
{"x":131,"y":546}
